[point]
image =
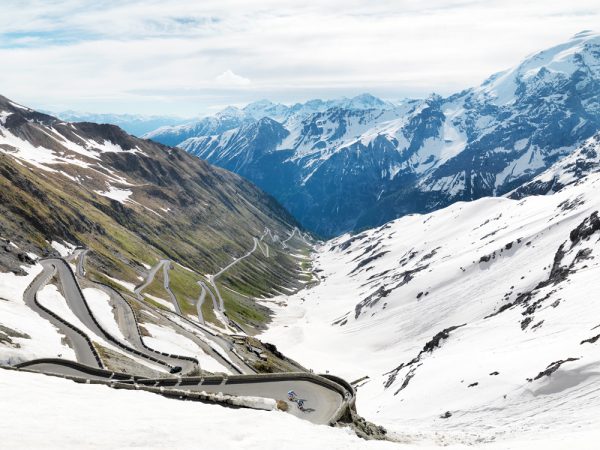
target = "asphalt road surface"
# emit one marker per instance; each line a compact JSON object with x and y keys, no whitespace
{"x":79,"y":307}
{"x":320,"y":401}
{"x":80,"y":345}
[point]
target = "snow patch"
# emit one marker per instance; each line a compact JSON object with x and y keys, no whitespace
{"x":114,"y":193}
{"x":161,"y":301}
{"x":99,"y":303}
{"x":43,"y":341}
{"x":64,"y":249}
{"x":126,"y":284}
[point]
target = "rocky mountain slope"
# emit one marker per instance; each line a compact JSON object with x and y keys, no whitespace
{"x":133,"y":202}
{"x":478,"y":321}
{"x":584,"y":161}
{"x":344,"y":167}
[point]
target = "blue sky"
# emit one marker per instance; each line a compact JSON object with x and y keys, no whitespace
{"x":188,"y":58}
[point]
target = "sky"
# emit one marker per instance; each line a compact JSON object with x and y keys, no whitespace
{"x":190,"y":58}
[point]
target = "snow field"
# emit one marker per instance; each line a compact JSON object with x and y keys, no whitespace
{"x":46,"y":409}
{"x":45,"y":342}
{"x":455,"y":268}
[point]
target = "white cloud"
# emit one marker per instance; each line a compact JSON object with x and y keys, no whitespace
{"x":165,"y":56}
{"x":228,"y":78}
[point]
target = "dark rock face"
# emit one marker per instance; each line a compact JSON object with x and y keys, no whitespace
{"x":591,"y":340}
{"x":588,"y":227}
{"x":344,"y":169}
{"x":583,"y":161}
{"x":553,"y":367}
{"x":413,"y":364}
{"x":435,"y":341}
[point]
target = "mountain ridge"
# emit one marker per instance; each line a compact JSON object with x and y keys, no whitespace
{"x":349,"y":169}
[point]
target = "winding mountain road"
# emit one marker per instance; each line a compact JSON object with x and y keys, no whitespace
{"x":218,"y":302}
{"x":83,"y":350}
{"x":81,"y":309}
{"x":296,"y":230}
{"x":212,"y":280}
{"x":80,"y":258}
{"x":324,"y":399}
{"x":211,"y":343}
{"x":166,"y":265}
{"x":128,"y":326}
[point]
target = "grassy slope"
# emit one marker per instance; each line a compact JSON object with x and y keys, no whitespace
{"x":184,"y":210}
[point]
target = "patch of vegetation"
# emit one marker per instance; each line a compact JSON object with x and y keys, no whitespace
{"x":184,"y":285}
{"x":243,"y":310}
{"x":157,"y":287}
{"x":282,"y":405}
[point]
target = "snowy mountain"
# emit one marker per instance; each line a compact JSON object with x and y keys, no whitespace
{"x":253,"y":112}
{"x":356,"y":164}
{"x":137,"y":125}
{"x":567,"y":171}
{"x":472,"y":324}
{"x":477,"y":322}
{"x":228,"y":119}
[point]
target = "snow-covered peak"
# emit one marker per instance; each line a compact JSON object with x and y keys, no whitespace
{"x":582,"y":52}
{"x":233,"y":117}
{"x":266,"y":108}
{"x":366,"y":101}
{"x":280,"y":112}
{"x":232,"y":112}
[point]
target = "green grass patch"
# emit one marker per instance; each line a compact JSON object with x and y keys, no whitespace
{"x":243,"y":310}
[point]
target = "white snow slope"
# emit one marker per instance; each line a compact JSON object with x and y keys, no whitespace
{"x":54,"y":413}
{"x":75,"y":416}
{"x":519,"y":279}
{"x":24,"y":335}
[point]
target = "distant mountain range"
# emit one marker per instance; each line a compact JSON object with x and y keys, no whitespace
{"x":232,"y":117}
{"x":349,"y":164}
{"x":137,"y":125}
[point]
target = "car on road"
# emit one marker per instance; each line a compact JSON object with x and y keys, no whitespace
{"x":175,"y":369}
